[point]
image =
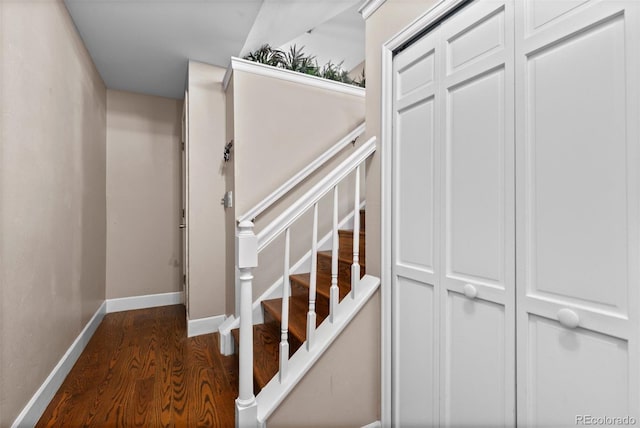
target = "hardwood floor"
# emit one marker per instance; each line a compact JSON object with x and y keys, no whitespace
{"x":141,"y":370}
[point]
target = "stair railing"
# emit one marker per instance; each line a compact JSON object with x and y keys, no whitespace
{"x":248,"y":245}
{"x":287,"y":186}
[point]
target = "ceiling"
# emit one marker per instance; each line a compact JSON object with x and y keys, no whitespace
{"x":144,"y":45}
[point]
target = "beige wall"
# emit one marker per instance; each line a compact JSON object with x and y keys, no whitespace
{"x":385,"y":22}
{"x":342,"y":389}
{"x":207,"y":138}
{"x":356,"y":72}
{"x":144,"y":200}
{"x":279,"y":128}
{"x":52,"y":194}
{"x":230,"y":213}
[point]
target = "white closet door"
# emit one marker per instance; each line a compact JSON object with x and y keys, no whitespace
{"x":477,"y":318}
{"x":415,"y":236}
{"x":577,"y":210}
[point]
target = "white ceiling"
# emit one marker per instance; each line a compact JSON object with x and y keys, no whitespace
{"x":340,"y":39}
{"x":144,"y":45}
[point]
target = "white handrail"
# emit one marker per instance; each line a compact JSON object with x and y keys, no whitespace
{"x":261,"y":206}
{"x":290,"y":215}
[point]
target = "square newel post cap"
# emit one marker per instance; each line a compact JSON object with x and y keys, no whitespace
{"x":246,"y":246}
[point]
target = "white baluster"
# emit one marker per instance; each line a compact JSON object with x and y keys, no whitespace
{"x":311,"y":315}
{"x":334,"y":291}
{"x":284,"y":326}
{"x":355,"y":267}
{"x":246,"y":259}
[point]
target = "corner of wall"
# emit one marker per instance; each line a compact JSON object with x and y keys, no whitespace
{"x":206,"y":225}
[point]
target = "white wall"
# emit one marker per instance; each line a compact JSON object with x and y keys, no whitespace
{"x":144,"y":199}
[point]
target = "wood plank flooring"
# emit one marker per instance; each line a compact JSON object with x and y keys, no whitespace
{"x":141,"y":370}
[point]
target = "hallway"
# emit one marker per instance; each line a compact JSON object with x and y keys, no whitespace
{"x":140,"y":369}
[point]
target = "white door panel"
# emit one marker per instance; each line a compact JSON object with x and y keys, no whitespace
{"x":472,"y":36}
{"x":415,"y":237}
{"x":577,"y":181}
{"x":516,"y":204}
{"x":453,"y":217}
{"x":477,"y":268}
{"x":475,"y":180}
{"x":474,"y":380}
{"x":562,"y":376}
{"x":541,"y":12}
{"x":415,"y":191}
{"x":415,"y":376}
{"x":578,"y":172}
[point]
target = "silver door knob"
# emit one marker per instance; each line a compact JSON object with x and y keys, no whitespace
{"x":182,"y":226}
{"x":470,"y":291}
{"x":568,"y":318}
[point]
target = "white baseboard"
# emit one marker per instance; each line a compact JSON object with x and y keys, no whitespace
{"x":375,"y":424}
{"x":34,"y":409}
{"x":142,"y":302}
{"x":204,"y":325}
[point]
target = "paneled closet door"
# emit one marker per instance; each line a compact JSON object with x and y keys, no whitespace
{"x":415,"y":255}
{"x":577,"y":186}
{"x":477,"y":306}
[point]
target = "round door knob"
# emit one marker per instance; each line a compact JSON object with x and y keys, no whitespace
{"x":568,"y":318}
{"x":182,"y":226}
{"x":470,"y":291}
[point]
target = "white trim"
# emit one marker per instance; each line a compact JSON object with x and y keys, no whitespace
{"x":385,"y":237}
{"x":291,"y":214}
{"x":238,"y":64}
{"x":36,"y":406}
{"x":275,"y":392}
{"x":431,"y":16}
{"x":227,"y":77}
{"x":204,"y":325}
{"x":375,"y":424}
{"x":142,"y":302}
{"x":261,"y":206}
{"x":370,"y":6}
{"x":436,"y":13}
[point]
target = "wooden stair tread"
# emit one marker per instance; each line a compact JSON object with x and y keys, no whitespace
{"x":350,"y":232}
{"x":298,"y":309}
{"x":328,"y":254}
{"x":323,"y":283}
{"x":266,"y":337}
{"x":266,"y":344}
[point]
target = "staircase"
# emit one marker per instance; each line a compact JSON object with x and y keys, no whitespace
{"x":266,"y":337}
{"x":276,"y":354}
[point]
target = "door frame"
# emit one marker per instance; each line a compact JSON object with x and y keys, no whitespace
{"x":436,"y":14}
{"x":185,"y":201}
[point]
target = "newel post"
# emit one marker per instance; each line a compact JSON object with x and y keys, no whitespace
{"x":246,"y":259}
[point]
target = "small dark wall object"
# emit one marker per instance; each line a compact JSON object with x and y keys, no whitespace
{"x":227,"y":151}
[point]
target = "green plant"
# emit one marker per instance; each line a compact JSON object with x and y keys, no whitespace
{"x":265,"y":54}
{"x":296,"y":60}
